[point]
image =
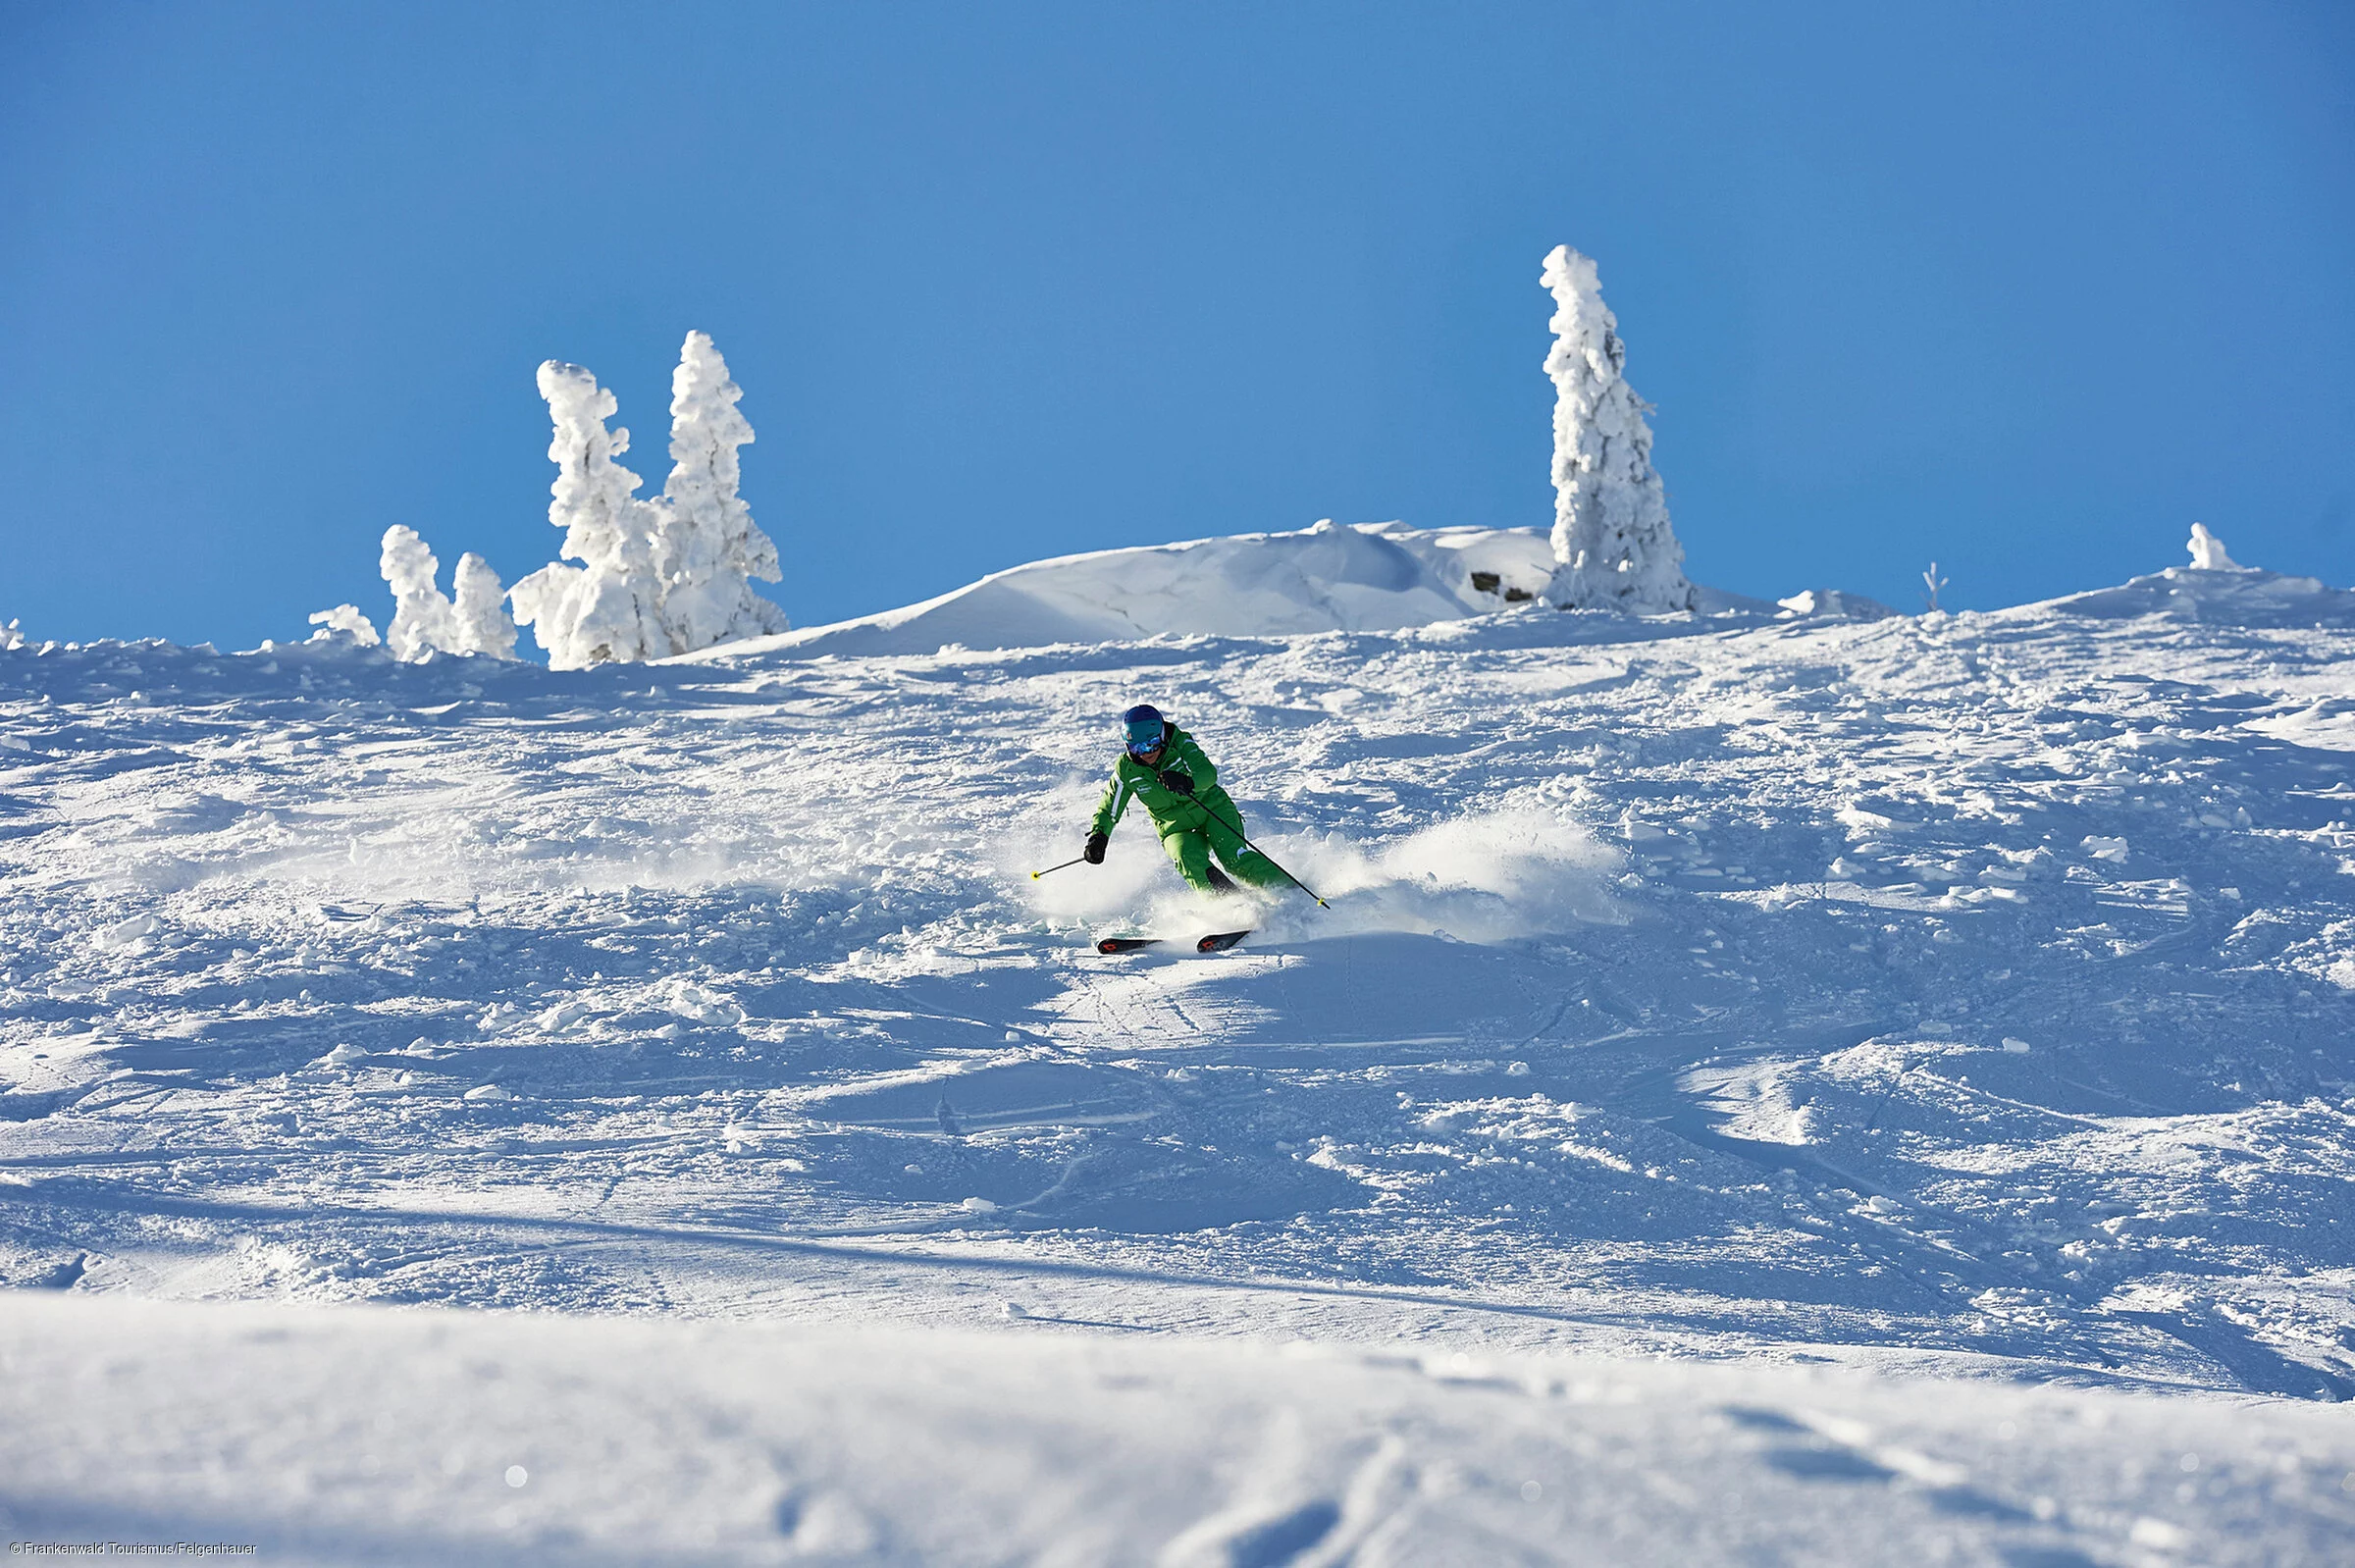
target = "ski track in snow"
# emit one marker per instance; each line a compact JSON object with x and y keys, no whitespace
{"x":1963,"y":995}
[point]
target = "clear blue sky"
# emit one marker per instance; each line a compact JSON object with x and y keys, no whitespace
{"x":2023,"y":288}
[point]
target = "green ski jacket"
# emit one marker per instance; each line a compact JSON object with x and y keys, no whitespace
{"x":1173,"y":812}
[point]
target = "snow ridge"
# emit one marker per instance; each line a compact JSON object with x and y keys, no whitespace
{"x":1364,"y":577}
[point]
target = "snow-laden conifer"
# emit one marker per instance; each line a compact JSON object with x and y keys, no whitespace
{"x":483,"y":623}
{"x":347,"y":620}
{"x":1611,"y":536}
{"x":610,"y":606}
{"x":423,"y":618}
{"x":2208,"y":552}
{"x":708,"y":547}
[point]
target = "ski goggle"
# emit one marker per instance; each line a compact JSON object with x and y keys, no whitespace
{"x":1144,"y":735}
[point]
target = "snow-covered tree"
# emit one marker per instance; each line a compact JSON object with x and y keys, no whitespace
{"x":610,"y":606}
{"x":484,"y":625}
{"x":708,"y":547}
{"x":1611,"y":538}
{"x":2208,"y":552}
{"x":347,"y":620}
{"x":656,"y":577}
{"x":424,"y":620}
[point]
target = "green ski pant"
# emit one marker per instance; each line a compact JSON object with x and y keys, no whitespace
{"x":1190,"y":850}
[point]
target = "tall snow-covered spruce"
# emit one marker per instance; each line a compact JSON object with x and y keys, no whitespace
{"x":1611,"y":538}
{"x":656,"y":577}
{"x":708,"y":547}
{"x":609,"y":607}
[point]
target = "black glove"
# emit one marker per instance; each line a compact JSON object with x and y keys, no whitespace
{"x":1172,"y":779}
{"x":1094,"y":855}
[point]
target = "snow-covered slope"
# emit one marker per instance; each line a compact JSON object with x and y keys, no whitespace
{"x":361,"y":1435}
{"x":1952,"y":997}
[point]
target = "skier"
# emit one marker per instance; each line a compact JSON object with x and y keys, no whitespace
{"x":1162,"y":767}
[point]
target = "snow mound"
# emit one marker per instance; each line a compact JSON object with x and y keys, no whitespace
{"x":1368,"y":577}
{"x":2231,"y":597}
{"x":2217,"y":590}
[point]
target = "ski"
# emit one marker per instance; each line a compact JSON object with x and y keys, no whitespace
{"x":1214,"y":942}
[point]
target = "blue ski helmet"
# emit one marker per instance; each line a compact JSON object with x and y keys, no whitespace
{"x":1145,"y":728}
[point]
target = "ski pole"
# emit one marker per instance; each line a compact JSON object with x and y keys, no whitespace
{"x":1035,"y":875}
{"x":1262,"y":854}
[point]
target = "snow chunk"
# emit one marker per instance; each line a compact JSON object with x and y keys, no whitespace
{"x":1833,"y":604}
{"x":563,"y":1016}
{"x":2105,"y":849}
{"x":13,"y":635}
{"x":346,"y":619}
{"x":129,"y":933}
{"x":342,"y":1055}
{"x":691,"y":1000}
{"x":2208,"y":552}
{"x":488,"y":1091}
{"x":1611,"y":536}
